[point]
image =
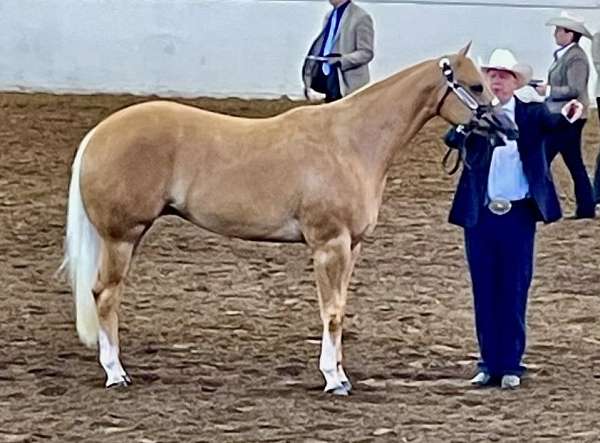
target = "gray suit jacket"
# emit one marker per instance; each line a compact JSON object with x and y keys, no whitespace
{"x":354,"y":41}
{"x":568,"y":79}
{"x":596,"y":59}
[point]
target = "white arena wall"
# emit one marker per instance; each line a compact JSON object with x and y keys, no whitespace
{"x":245,"y":48}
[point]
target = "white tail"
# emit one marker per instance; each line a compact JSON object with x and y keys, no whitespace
{"x":82,"y":255}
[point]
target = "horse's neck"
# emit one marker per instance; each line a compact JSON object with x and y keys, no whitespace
{"x":387,"y":115}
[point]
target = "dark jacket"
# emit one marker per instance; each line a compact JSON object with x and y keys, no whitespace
{"x":534,"y":122}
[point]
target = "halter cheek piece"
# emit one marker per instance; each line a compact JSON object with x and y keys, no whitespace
{"x":463,"y":95}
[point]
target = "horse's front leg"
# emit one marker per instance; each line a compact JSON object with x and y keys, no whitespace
{"x":333,"y":266}
{"x":341,"y":373}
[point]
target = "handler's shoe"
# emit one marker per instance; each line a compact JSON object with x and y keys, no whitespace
{"x":510,"y":382}
{"x":481,"y":379}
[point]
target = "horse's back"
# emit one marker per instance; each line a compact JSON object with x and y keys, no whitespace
{"x":236,"y":176}
{"x":150,"y":156}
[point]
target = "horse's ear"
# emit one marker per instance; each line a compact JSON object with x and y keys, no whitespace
{"x":464,"y":51}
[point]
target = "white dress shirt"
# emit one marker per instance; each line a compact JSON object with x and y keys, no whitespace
{"x":561,"y":51}
{"x":506,"y":179}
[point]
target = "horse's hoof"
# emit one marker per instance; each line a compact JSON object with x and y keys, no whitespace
{"x":127,"y":379}
{"x":347,"y":385}
{"x":340,"y":390}
{"x":118,"y":384}
{"x":123,"y":383}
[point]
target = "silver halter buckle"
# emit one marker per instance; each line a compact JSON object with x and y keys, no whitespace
{"x":500,"y":206}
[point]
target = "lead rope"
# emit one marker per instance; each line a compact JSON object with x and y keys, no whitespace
{"x":461,"y":156}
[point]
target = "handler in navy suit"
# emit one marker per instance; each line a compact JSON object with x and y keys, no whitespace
{"x":501,"y":194}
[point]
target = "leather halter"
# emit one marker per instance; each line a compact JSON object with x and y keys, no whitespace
{"x":461,"y":92}
{"x":470,"y":102}
{"x":461,"y":157}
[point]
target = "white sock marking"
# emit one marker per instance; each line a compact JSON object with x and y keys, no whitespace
{"x":109,"y":359}
{"x":328,"y":363}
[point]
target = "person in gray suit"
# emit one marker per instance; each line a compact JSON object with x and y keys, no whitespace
{"x":596,"y":61}
{"x":568,"y":79}
{"x":337,"y":62}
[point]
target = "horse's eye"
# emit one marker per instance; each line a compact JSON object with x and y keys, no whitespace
{"x":478,"y":89}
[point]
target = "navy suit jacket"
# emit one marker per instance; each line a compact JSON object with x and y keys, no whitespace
{"x":534,"y":122}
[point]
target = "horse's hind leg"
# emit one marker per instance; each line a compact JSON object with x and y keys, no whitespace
{"x":115,"y":260}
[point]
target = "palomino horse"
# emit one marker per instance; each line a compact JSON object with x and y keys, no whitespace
{"x":314,"y":174}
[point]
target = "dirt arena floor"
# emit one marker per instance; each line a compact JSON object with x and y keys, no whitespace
{"x":222,"y":336}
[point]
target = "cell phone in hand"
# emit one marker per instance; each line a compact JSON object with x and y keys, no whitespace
{"x":535,"y":82}
{"x":572,"y":111}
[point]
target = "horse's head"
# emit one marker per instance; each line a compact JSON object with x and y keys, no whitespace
{"x":467,"y":100}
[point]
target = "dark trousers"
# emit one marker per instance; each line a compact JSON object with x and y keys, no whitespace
{"x":597,"y":173}
{"x":500,"y":256}
{"x":333,"y":86}
{"x":327,"y":84}
{"x":568,"y":142}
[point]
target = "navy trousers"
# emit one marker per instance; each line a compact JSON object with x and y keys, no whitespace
{"x":567,"y":142}
{"x":327,"y":84}
{"x":499,"y":251}
{"x":333,"y":86}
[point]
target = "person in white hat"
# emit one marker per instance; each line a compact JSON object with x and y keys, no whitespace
{"x":596,"y":61}
{"x":506,"y":189}
{"x":567,"y":79}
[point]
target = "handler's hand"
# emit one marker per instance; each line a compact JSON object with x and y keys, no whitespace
{"x":541,"y":89}
{"x":312,"y":95}
{"x":455,"y":138}
{"x":335,"y":61}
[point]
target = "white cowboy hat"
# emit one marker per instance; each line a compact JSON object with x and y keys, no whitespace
{"x":571,"y":22}
{"x":504,"y":60}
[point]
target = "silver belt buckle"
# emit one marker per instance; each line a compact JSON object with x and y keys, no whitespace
{"x":499,"y":206}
